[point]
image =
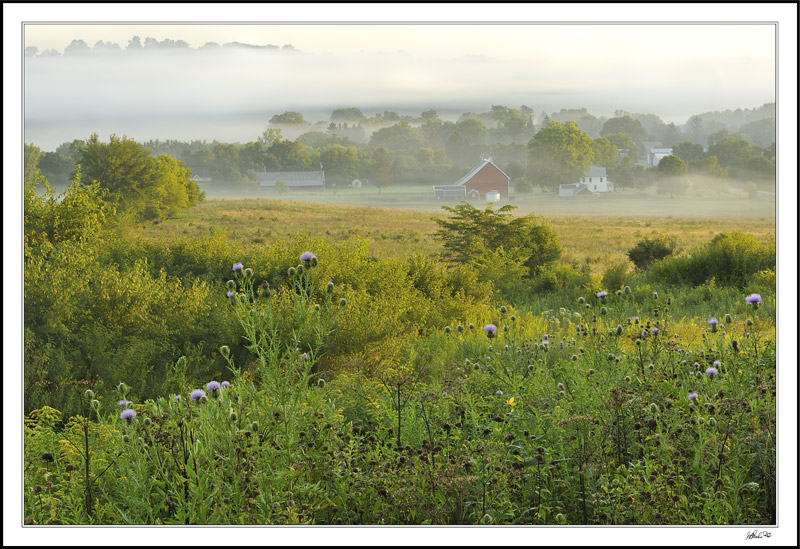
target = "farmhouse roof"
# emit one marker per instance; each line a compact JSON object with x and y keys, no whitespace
{"x":292,"y":179}
{"x":476,"y":169}
{"x":595,"y":171}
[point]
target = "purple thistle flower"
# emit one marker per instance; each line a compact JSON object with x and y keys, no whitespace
{"x":753,"y":299}
{"x":560,"y":386}
{"x":329,"y":287}
{"x":655,"y":331}
{"x":692,"y":395}
{"x":123,"y":402}
{"x":238,"y":266}
{"x":231,"y":294}
{"x":636,"y":319}
{"x":717,"y":363}
{"x":655,"y":295}
{"x":713,"y":321}
{"x":226,"y":383}
{"x":127,"y":414}
{"x":307,"y":256}
{"x":212,"y":386}
{"x":177,"y":397}
{"x":711,"y":372}
{"x":545,"y":336}
{"x":490,"y":329}
{"x":196,"y":394}
{"x":601,"y":294}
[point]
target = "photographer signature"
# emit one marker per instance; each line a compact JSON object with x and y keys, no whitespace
{"x":755,"y":534}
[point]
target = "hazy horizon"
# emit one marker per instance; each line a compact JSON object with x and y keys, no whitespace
{"x":229,"y":94}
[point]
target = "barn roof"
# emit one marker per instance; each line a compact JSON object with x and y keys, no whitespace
{"x":292,"y":179}
{"x":478,"y":168}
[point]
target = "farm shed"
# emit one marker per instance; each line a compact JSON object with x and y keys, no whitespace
{"x":596,"y":179}
{"x":576,"y":190}
{"x":294,"y":180}
{"x":484,"y":178}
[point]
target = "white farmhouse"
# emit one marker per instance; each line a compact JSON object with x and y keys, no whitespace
{"x":594,"y":181}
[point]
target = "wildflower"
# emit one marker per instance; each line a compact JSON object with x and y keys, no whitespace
{"x":197,"y":393}
{"x":226,"y":384}
{"x":237,"y":267}
{"x":717,"y":364}
{"x":711,"y":372}
{"x":212,"y":386}
{"x":127,"y":414}
{"x":511,"y":402}
{"x":714,"y":324}
{"x":655,"y":295}
{"x":499,"y":393}
{"x":304,"y":357}
{"x":230,"y":294}
{"x":306,"y":257}
{"x":602,"y":295}
{"x":177,"y":397}
{"x":655,"y":331}
{"x":636,"y":320}
{"x":124,"y":402}
{"x":490,"y":330}
{"x":329,"y":287}
{"x":728,"y":319}
{"x":444,"y":394}
{"x":560,"y":386}
{"x":754,"y":300}
{"x":692,"y":395}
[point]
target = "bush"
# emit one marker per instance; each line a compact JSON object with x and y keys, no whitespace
{"x":730,"y":258}
{"x":565,"y":279}
{"x":616,"y":276}
{"x":647,"y":251}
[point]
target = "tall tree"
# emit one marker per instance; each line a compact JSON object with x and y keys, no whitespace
{"x":382,"y":168}
{"x":558,"y":154}
{"x":672,"y":176}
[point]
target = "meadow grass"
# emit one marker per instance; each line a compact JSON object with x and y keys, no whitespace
{"x":588,"y":232}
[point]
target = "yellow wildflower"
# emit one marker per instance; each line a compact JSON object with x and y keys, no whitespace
{"x":511,"y":402}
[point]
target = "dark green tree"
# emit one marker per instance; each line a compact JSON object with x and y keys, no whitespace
{"x":469,"y":233}
{"x":672,"y":176}
{"x":288,"y":117}
{"x":688,"y":151}
{"x":558,"y":154}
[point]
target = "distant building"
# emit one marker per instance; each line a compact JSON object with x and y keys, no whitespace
{"x":654,"y":151}
{"x":484,"y":179}
{"x":576,"y":190}
{"x":294,"y":180}
{"x":201,"y":175}
{"x":593,"y":182}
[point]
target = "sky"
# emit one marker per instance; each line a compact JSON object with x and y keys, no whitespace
{"x":671,"y":70}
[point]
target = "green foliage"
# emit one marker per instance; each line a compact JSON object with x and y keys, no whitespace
{"x":558,"y":154}
{"x":564,"y":280}
{"x":288,"y":117}
{"x":142,"y":187}
{"x":729,"y":259}
{"x":469,"y":233}
{"x":281,"y":187}
{"x":648,"y":250}
{"x":616,"y":276}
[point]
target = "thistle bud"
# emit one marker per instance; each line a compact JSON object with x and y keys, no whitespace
{"x":603,"y":311}
{"x":329,"y":287}
{"x":749,"y":322}
{"x":203,"y":399}
{"x":320,"y":383}
{"x":225,"y":351}
{"x":342,"y":302}
{"x":291,"y":271}
{"x":316,"y":308}
{"x":447,"y":329}
{"x":728,"y":319}
{"x":248,"y":272}
{"x":654,"y":408}
{"x":232,"y":416}
{"x":460,"y":328}
{"x":581,"y":300}
{"x":89,"y":394}
{"x":231,"y":285}
{"x":146,"y":422}
{"x":126,"y":439}
{"x":254,"y":426}
{"x":502,"y":309}
{"x":95,"y":404}
{"x":301,"y":268}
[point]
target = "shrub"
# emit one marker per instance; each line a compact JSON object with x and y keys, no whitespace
{"x":565,"y":279}
{"x":616,"y":276}
{"x":730,"y":258}
{"x":647,"y":251}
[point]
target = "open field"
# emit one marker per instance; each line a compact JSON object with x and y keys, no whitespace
{"x":597,"y":238}
{"x":637,"y":203}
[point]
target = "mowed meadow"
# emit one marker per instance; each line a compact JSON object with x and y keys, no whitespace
{"x":270,"y":361}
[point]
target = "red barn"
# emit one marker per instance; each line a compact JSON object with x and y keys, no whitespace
{"x":485,"y":178}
